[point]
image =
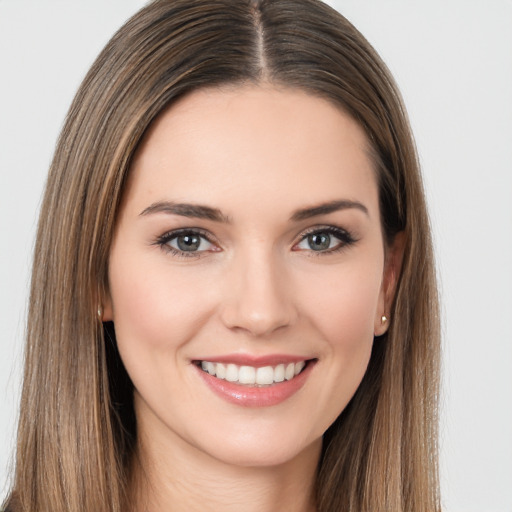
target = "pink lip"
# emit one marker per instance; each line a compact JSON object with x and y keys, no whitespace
{"x":247,"y":396}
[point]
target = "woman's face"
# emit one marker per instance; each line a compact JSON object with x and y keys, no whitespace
{"x":247,"y":274}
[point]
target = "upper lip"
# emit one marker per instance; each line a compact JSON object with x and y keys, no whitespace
{"x":256,"y":361}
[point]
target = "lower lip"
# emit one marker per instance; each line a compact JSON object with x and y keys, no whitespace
{"x":247,"y":396}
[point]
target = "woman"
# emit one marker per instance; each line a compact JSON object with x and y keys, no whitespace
{"x":227,"y":308}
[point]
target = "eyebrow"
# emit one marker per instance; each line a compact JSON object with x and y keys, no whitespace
{"x":186,"y":210}
{"x":207,"y":212}
{"x":325,"y":208}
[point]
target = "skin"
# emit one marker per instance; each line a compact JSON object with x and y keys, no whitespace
{"x":257,"y":154}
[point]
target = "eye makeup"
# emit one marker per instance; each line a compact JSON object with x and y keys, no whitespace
{"x":187,"y":242}
{"x":196,"y":242}
{"x":324,"y":240}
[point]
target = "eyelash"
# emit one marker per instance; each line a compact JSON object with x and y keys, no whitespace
{"x":163,"y":241}
{"x":345,"y":237}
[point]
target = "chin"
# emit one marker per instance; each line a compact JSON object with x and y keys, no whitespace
{"x":254,"y":452}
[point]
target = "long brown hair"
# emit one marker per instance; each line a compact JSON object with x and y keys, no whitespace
{"x":77,"y":427}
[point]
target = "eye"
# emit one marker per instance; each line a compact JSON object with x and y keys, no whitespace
{"x":186,"y":242}
{"x":325,"y":240}
{"x":189,"y":243}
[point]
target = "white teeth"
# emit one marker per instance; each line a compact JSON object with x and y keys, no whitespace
{"x":289,"y":372}
{"x":221,"y":371}
{"x":249,"y":375}
{"x":265,"y":375}
{"x":232,"y":373}
{"x":279,"y":373}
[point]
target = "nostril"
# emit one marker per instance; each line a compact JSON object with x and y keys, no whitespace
{"x":257,"y":320}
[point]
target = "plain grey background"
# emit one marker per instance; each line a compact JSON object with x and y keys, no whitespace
{"x":453,"y":62}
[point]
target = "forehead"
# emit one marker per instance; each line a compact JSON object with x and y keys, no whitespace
{"x":252,"y":142}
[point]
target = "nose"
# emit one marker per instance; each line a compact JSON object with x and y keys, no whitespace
{"x":258,"y":296}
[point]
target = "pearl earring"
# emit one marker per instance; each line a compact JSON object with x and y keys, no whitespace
{"x":383,"y":319}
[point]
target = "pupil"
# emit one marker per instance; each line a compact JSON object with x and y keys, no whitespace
{"x":319,"y":242}
{"x":188,"y":242}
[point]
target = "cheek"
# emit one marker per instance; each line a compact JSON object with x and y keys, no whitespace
{"x":344,"y":308}
{"x":343,"y":314}
{"x":153,"y":308}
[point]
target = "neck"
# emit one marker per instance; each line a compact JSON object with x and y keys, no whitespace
{"x":175,"y":476}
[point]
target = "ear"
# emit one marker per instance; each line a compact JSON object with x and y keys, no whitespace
{"x":392,"y":268}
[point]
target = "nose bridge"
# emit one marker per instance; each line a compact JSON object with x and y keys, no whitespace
{"x":259,"y":298}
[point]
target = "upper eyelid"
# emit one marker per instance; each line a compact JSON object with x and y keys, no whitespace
{"x":180,"y":231}
{"x":324,"y":227}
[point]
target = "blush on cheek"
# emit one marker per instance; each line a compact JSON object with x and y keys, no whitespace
{"x":347,"y":308}
{"x":158,"y":308}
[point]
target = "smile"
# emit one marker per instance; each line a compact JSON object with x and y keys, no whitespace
{"x":253,"y":376}
{"x":255,"y":382}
